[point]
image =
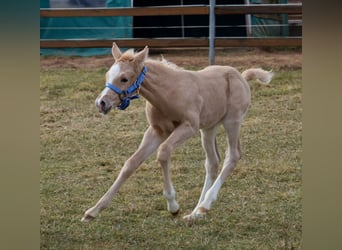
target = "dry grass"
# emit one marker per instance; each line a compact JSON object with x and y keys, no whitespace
{"x":259,"y":206}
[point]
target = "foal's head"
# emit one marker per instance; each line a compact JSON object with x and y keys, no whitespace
{"x":121,"y":79}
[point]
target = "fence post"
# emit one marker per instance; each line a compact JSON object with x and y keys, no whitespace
{"x":212,"y":32}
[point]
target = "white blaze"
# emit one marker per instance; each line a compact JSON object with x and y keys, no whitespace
{"x":112,"y":73}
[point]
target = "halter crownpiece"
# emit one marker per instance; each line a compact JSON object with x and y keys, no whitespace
{"x":126,"y":95}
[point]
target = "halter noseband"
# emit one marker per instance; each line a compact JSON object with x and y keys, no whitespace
{"x":126,"y":95}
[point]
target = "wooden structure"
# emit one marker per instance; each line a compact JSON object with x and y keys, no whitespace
{"x":294,"y":9}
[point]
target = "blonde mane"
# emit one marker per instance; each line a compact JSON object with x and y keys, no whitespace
{"x":128,"y":55}
{"x":170,"y":64}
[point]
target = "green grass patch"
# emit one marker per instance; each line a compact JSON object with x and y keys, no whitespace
{"x":82,"y":152}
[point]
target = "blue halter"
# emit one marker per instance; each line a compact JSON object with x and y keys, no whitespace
{"x":126,"y":95}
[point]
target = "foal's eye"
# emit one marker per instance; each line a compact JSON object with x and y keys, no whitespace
{"x":124,"y":80}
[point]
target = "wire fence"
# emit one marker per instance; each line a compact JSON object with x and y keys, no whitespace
{"x":181,"y":11}
{"x":179,"y":33}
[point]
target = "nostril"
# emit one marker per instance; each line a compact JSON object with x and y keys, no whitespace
{"x":102,"y":104}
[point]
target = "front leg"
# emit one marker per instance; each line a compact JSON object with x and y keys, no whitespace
{"x":149,"y":144}
{"x":176,"y":138}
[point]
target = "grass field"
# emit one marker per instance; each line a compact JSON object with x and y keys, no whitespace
{"x":259,"y":206}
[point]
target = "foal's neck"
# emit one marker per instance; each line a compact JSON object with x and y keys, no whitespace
{"x":157,"y":83}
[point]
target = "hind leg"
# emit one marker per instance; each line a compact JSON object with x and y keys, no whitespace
{"x":212,"y":160}
{"x":232,"y":156}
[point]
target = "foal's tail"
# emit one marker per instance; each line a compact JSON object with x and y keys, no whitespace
{"x":262,"y":76}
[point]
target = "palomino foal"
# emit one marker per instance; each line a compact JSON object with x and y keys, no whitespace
{"x":179,"y":103}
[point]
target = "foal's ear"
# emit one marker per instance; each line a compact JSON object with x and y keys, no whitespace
{"x":116,"y":51}
{"x":141,"y":56}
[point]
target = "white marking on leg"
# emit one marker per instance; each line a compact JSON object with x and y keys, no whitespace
{"x":211,"y":195}
{"x":211,"y":162}
{"x":232,"y":156}
{"x":230,"y":162}
{"x":168,"y":190}
{"x":183,"y":132}
{"x":172,"y":205}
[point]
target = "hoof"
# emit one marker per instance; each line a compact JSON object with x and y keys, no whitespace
{"x":202,"y":211}
{"x":173,"y":208}
{"x":192,"y":217}
{"x":87,"y":218}
{"x":189,"y":217}
{"x":175,"y":213}
{"x":199,"y":214}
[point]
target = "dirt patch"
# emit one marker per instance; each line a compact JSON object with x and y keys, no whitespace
{"x":190,"y":58}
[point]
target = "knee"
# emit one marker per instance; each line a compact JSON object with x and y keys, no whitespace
{"x":164,"y":153}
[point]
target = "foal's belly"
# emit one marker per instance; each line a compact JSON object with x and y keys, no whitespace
{"x":210,"y":119}
{"x":213,"y":109}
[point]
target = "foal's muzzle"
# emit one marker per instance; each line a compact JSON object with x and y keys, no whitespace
{"x":103,"y":105}
{"x":103,"y":108}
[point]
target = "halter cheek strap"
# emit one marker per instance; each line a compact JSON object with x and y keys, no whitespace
{"x":126,"y":95}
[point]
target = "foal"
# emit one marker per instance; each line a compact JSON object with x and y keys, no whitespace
{"x":179,"y":103}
